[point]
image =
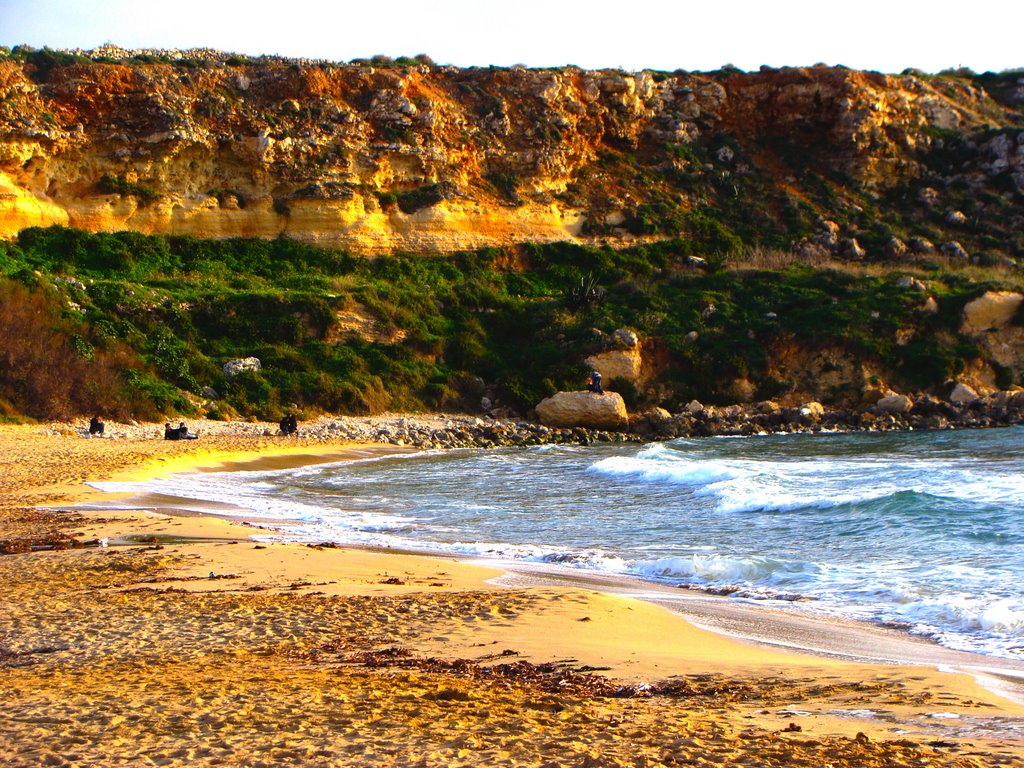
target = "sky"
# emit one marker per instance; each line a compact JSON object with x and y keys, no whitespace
{"x":887,"y":36}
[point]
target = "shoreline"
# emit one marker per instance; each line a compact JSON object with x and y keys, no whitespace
{"x":541,"y":621}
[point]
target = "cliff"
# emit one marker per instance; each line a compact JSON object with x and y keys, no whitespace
{"x":422,"y":158}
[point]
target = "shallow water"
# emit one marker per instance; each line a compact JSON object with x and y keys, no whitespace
{"x":921,"y":530}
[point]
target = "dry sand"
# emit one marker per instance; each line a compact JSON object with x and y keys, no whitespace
{"x":185,"y":642}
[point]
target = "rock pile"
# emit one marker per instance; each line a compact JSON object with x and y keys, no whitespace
{"x":893,"y":412}
{"x":441,"y":432}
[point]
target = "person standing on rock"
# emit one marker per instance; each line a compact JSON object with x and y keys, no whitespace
{"x":594,"y":383}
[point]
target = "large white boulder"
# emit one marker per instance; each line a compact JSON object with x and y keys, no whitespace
{"x":235,"y":367}
{"x":993,"y":309}
{"x":584,"y":409}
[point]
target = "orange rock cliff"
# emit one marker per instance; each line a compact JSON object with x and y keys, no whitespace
{"x":424,"y":158}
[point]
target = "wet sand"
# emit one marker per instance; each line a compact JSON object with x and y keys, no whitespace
{"x":183,"y":641}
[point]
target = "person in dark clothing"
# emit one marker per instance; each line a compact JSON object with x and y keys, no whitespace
{"x":183,"y":433}
{"x":594,"y":383}
{"x":96,"y":425}
{"x":171,"y":433}
{"x":289,"y":424}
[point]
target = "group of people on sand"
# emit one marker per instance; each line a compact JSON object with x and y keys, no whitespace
{"x":179,"y":432}
{"x":289,"y":426}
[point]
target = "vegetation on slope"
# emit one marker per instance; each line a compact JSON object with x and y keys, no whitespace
{"x":141,"y":325}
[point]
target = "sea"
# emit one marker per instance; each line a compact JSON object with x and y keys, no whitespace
{"x":922,"y":531}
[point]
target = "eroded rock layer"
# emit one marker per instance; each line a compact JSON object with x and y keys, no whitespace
{"x":425,"y":158}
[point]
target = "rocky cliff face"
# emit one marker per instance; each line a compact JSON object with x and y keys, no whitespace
{"x":423,"y":158}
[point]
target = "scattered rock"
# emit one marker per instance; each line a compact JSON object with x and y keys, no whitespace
{"x":895,"y":249}
{"x":954,"y":250}
{"x":911,"y":283}
{"x":921,"y":245}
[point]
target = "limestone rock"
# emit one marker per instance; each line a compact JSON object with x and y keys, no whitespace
{"x":994,"y":309}
{"x":912,"y":283}
{"x":617,"y":363}
{"x":812,"y":409}
{"x":656,"y":416}
{"x":894,"y":404}
{"x":922,"y":245}
{"x":625,"y":338}
{"x":895,"y":249}
{"x":954,"y":250}
{"x":210,"y":393}
{"x":584,"y":409}
{"x":849,"y":248}
{"x":234,"y":367}
{"x":963,"y":395}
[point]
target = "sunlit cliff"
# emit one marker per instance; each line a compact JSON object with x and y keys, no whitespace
{"x":425,"y":158}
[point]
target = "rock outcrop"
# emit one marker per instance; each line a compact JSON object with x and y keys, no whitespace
{"x":991,"y":311}
{"x":584,"y":409}
{"x":424,"y":158}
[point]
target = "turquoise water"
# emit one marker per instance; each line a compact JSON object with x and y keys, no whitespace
{"x":921,"y":530}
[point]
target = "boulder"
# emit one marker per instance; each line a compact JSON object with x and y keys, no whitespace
{"x":807,"y":414}
{"x":584,"y":409}
{"x":894,"y":404}
{"x":954,"y":250}
{"x":963,"y":395}
{"x":895,"y":249}
{"x":993,"y":309}
{"x":234,"y":367}
{"x":625,"y":338}
{"x":813,"y":409}
{"x":656,"y":416}
{"x":210,"y":393}
{"x":922,"y":245}
{"x":617,"y":363}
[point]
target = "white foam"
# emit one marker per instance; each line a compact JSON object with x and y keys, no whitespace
{"x":719,"y":569}
{"x":676,"y":471}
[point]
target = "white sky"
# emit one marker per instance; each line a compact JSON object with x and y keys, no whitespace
{"x":885,"y":35}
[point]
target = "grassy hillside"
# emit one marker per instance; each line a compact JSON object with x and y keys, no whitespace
{"x":139,"y":325}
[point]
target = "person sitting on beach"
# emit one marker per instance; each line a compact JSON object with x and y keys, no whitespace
{"x":594,"y":383}
{"x":289,"y":424}
{"x":183,"y":433}
{"x":171,"y":433}
{"x":96,"y":426}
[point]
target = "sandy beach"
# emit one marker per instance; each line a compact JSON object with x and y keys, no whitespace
{"x":184,"y":641}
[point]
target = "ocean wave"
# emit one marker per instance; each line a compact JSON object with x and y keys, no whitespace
{"x":673,"y":471}
{"x":716,"y":569}
{"x":963,"y":612}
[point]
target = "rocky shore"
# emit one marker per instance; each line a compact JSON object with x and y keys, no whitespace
{"x":962,"y":409}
